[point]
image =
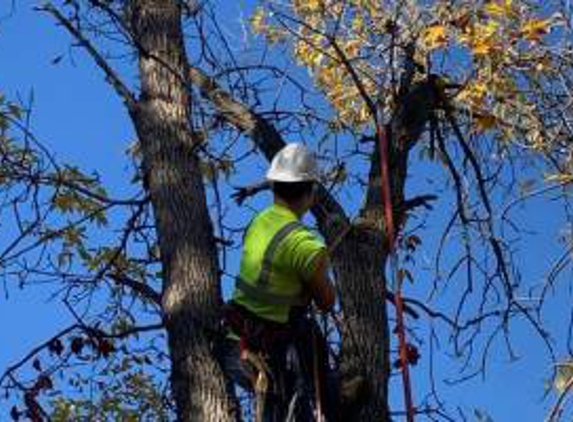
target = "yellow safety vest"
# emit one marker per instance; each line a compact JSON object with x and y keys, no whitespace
{"x":279,"y":257}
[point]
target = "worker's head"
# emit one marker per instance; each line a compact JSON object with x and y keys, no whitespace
{"x":294,"y":174}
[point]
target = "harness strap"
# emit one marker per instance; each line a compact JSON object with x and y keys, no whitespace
{"x":262,"y":294}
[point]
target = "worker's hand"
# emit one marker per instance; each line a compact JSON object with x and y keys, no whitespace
{"x":242,"y":193}
{"x":321,"y":289}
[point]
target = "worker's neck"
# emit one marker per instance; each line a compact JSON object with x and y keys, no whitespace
{"x":298,"y":208}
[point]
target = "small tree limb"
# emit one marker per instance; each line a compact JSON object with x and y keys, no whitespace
{"x":111,"y":75}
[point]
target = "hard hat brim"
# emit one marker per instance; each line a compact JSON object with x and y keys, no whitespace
{"x":289,"y":178}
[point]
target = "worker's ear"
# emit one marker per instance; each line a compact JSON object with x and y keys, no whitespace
{"x":312,"y":194}
{"x":314,"y":189}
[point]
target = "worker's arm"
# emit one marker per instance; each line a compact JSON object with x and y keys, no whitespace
{"x":321,"y":290}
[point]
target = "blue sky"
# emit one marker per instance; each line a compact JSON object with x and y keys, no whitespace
{"x":79,"y":117}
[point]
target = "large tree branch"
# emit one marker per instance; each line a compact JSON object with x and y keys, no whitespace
{"x":415,"y":106}
{"x":140,"y":288}
{"x":269,"y":141}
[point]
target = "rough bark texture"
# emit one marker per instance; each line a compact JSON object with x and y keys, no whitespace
{"x":191,"y":293}
{"x":358,"y":264}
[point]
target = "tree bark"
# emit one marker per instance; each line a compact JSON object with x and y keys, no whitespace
{"x":191,"y":293}
{"x":358,"y":264}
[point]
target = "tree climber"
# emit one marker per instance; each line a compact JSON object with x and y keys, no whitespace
{"x":283,"y":270}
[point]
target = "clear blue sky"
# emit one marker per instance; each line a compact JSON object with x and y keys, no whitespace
{"x":79,"y":117}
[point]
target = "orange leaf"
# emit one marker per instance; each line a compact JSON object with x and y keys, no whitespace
{"x":485,"y":122}
{"x":499,"y":9}
{"x":535,"y":29}
{"x":482,"y":47}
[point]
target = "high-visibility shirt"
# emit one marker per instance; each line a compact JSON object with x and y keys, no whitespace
{"x":279,"y":256}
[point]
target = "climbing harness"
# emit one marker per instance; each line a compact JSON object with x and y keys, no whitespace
{"x":258,"y":340}
{"x":384,"y":147}
{"x":260,"y":290}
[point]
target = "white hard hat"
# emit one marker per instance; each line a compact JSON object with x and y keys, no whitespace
{"x":293,"y":163}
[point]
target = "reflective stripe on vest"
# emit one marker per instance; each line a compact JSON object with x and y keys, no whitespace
{"x":262,"y":294}
{"x":260,"y":289}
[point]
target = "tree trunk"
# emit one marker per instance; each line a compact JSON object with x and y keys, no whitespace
{"x":358,"y":264}
{"x":191,"y":292}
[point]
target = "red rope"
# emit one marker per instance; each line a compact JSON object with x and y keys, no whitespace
{"x":385,"y":184}
{"x":391,"y":235}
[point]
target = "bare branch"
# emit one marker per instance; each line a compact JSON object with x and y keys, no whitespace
{"x":12,"y":368}
{"x":91,"y":331}
{"x":137,"y":286}
{"x":111,"y":75}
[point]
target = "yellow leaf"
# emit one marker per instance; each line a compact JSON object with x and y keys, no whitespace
{"x":560,"y":178}
{"x":435,"y":36}
{"x":564,"y":377}
{"x":498,"y":9}
{"x":325,"y":76}
{"x":487,"y":29}
{"x":482,"y":38}
{"x":535,"y":29}
{"x":543,"y":64}
{"x":352,"y":48}
{"x":358,"y":25}
{"x":307,"y":54}
{"x":258,"y":21}
{"x":303,"y":7}
{"x":275,"y":35}
{"x":373,"y":6}
{"x":482,"y":47}
{"x":363,"y":114}
{"x":473,"y":94}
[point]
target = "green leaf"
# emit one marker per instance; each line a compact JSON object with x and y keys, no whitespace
{"x":564,"y":376}
{"x":482,"y":416}
{"x":65,"y":201}
{"x":15,"y":111}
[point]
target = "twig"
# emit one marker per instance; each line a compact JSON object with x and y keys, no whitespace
{"x":554,"y":415}
{"x":12,"y":368}
{"x":111,"y":74}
